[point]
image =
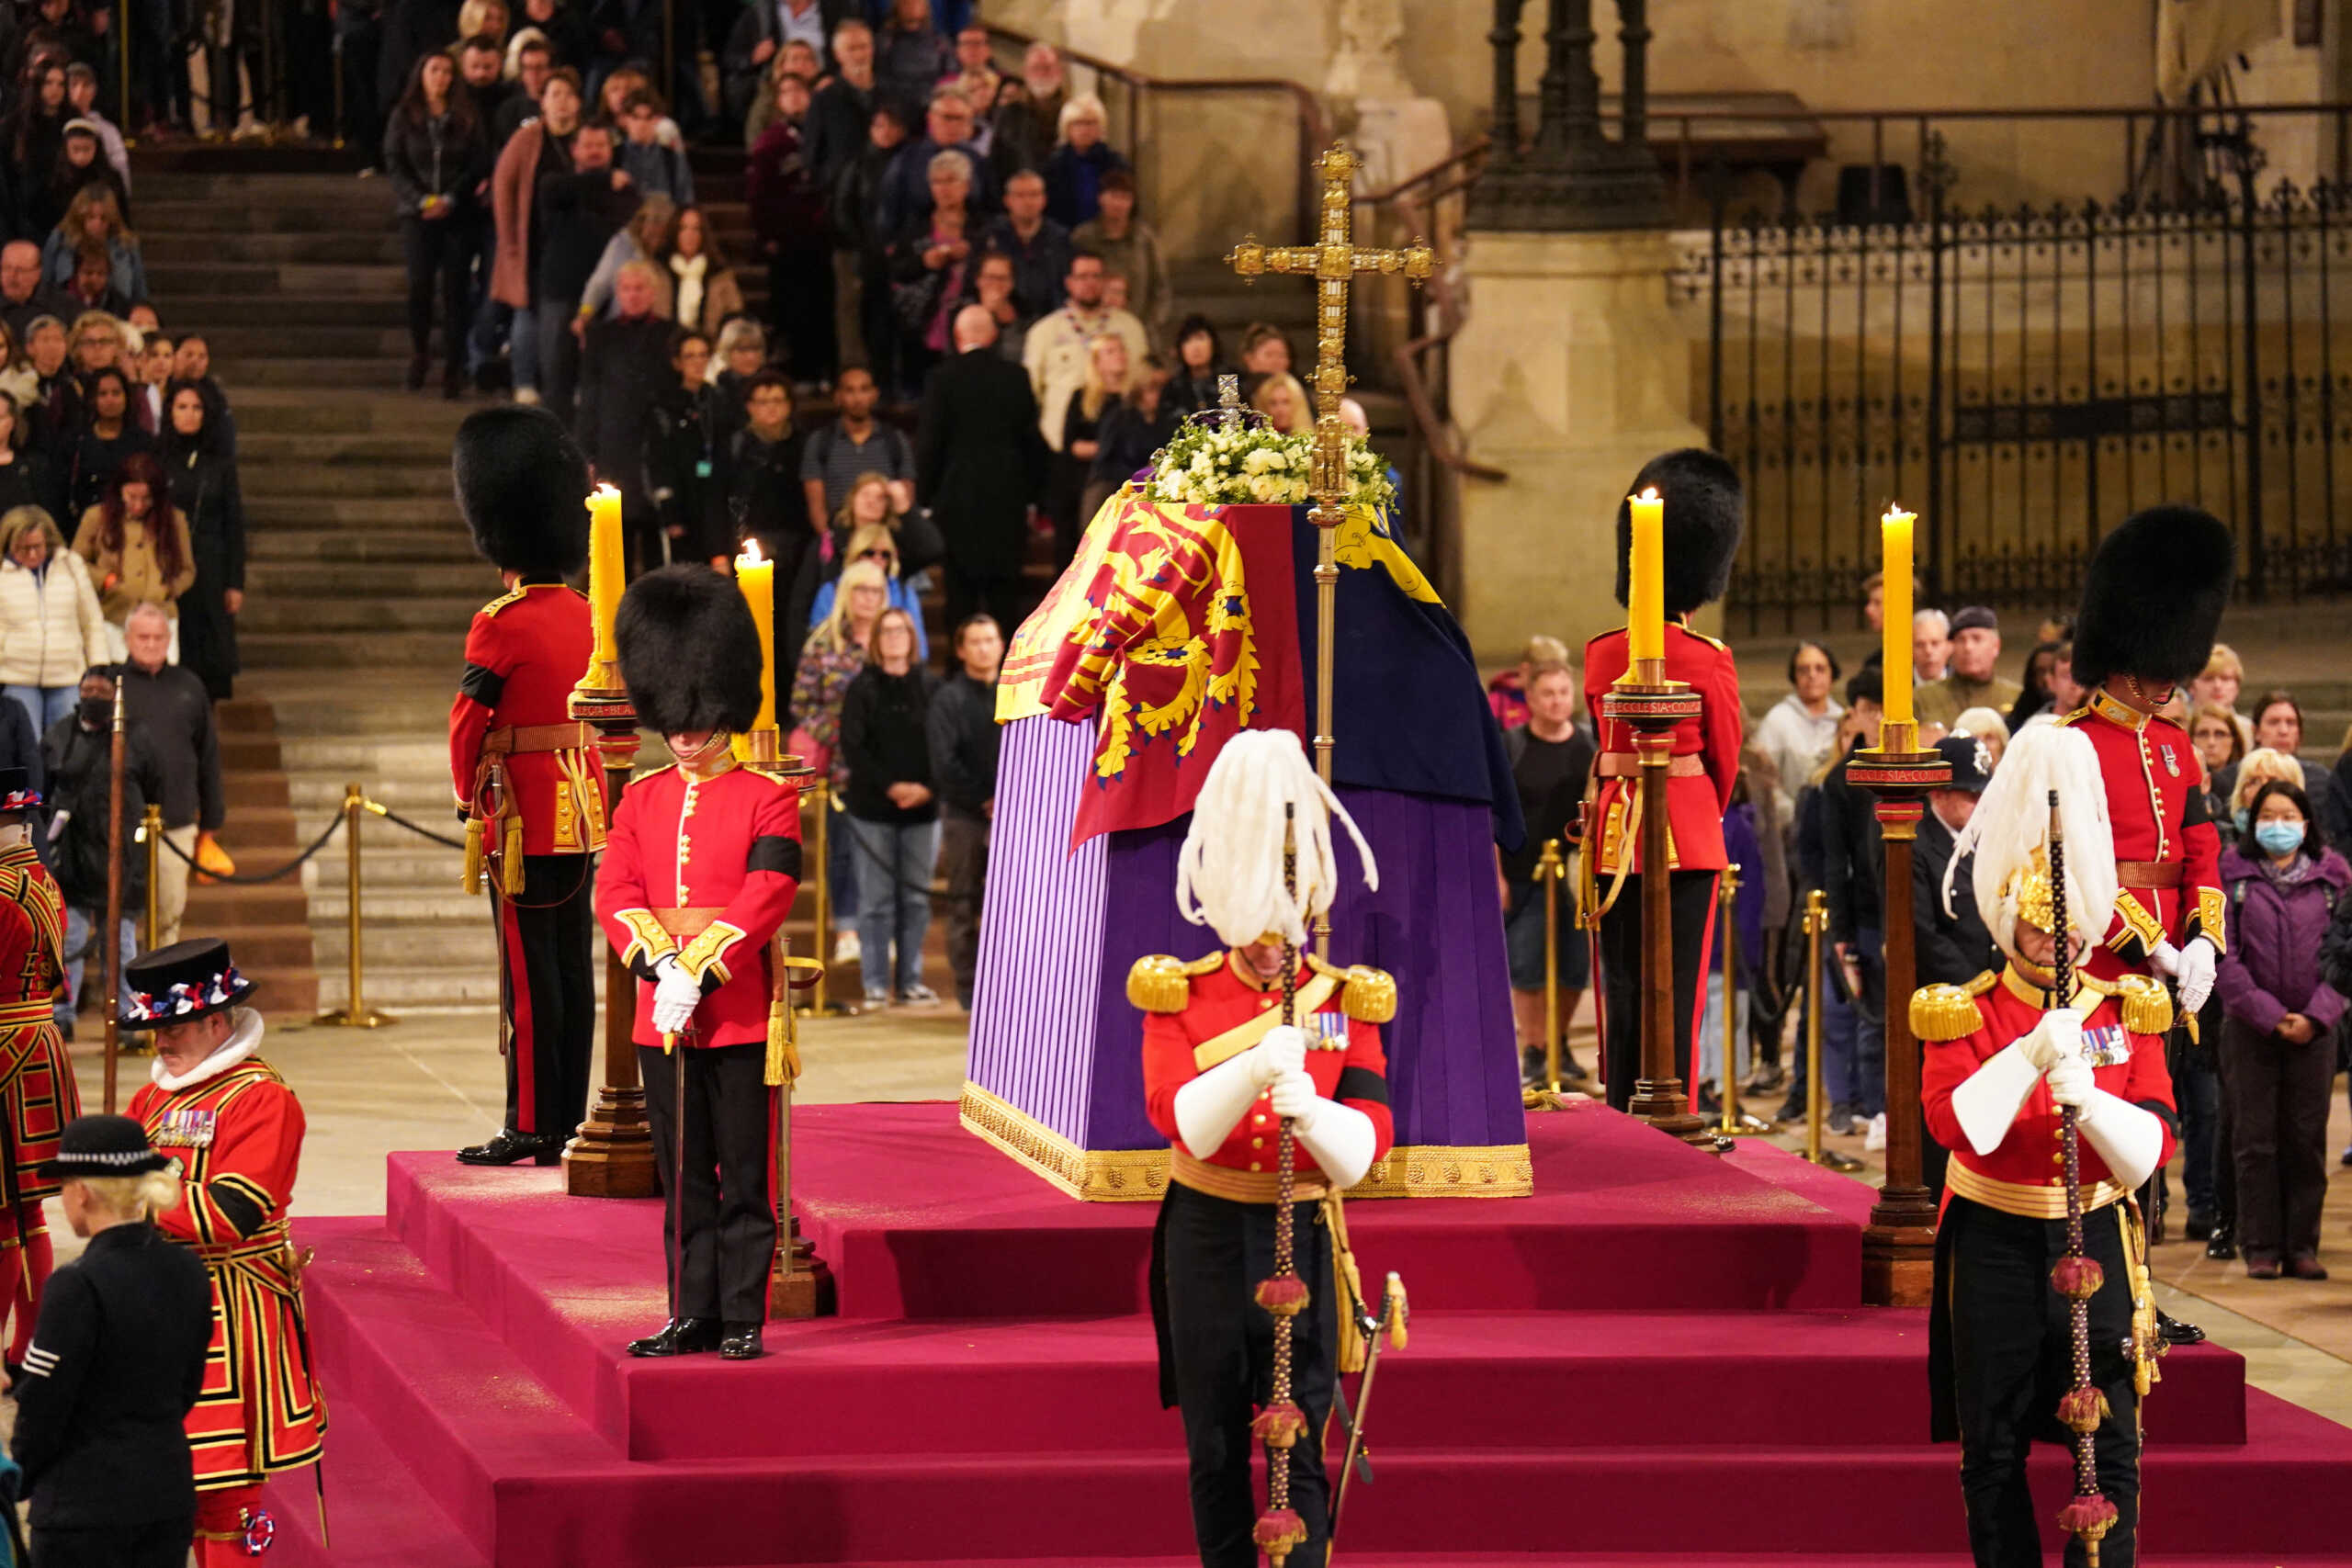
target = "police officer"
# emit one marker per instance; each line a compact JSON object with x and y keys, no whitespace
{"x":115,"y":1364}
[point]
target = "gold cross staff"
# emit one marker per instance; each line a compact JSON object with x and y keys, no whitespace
{"x":1332,"y":263}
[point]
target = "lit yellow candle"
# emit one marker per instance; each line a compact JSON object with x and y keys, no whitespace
{"x":755,"y":575}
{"x":1895,"y":555}
{"x":1645,"y":594}
{"x":607,"y":569}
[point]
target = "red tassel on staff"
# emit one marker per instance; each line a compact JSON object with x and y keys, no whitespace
{"x":1279,"y":1530}
{"x":1278,"y":1426}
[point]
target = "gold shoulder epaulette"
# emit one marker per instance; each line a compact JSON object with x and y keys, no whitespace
{"x":1941,"y":1013}
{"x":2147,"y":1006}
{"x":1983,"y":983}
{"x":1366,"y":994}
{"x":1159,"y":983}
{"x":501,"y":600}
{"x":1710,"y":642}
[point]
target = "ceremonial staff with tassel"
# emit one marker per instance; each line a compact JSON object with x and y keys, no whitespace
{"x":2049,"y":1088}
{"x":1267,"y":1075}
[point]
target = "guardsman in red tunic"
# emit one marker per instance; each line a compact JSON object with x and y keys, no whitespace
{"x":1221,"y":1071}
{"x":2152,"y":602}
{"x":529,"y":783}
{"x":38,"y":1095}
{"x":1704,"y":511}
{"x":696,"y":884}
{"x":236,"y":1129}
{"x":2005,"y":1053}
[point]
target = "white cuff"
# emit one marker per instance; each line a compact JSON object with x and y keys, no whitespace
{"x":1987,"y":1100}
{"x":1211,"y":1105}
{"x":1342,"y":1140}
{"x":2128,"y":1139}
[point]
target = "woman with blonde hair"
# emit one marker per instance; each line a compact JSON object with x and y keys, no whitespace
{"x":874,"y":541}
{"x":2220,"y":683}
{"x":483,"y":18}
{"x":95,"y":218}
{"x":116,"y":1363}
{"x":644,"y":237}
{"x":1074,"y":173}
{"x":51,"y":626}
{"x":829,"y":660}
{"x":1284,"y":402}
{"x":1104,"y":384}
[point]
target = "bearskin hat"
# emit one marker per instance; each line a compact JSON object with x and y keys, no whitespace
{"x":689,"y":653}
{"x":1704,"y":515}
{"x":523,"y":485}
{"x":2153,"y":597}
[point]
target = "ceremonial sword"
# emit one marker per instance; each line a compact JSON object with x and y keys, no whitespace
{"x":1388,"y":1327}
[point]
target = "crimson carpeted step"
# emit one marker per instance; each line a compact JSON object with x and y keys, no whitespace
{"x":921,"y":1220}
{"x":532,"y":1485}
{"x":1609,"y":1560}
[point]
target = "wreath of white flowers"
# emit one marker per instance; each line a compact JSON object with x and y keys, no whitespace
{"x":1217,"y":460}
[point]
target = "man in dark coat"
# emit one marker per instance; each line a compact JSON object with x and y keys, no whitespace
{"x":962,"y":733}
{"x":980,"y":465}
{"x":624,"y":367}
{"x":78,"y":752}
{"x":579,"y":214}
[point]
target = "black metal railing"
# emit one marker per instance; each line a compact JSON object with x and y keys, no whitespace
{"x":2025,"y":373}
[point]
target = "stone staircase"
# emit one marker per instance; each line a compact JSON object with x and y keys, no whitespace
{"x":361,"y":579}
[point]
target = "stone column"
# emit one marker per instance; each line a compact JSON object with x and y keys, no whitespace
{"x":1569,"y":373}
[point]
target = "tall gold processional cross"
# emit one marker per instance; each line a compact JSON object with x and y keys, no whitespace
{"x":1333,"y":263}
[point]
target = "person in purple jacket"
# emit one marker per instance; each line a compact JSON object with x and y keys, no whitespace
{"x":2282,"y":885}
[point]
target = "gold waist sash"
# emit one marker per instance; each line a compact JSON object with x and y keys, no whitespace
{"x":1243,"y":1186}
{"x":2017,"y":1198}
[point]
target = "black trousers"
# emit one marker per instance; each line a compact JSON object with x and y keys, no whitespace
{"x":2278,"y":1106}
{"x":800,"y":300}
{"x":1219,"y":1348}
{"x":438,"y":251}
{"x":160,"y":1545}
{"x":1692,"y":896}
{"x":963,"y":861}
{"x":968,"y":593}
{"x":547,"y":982}
{"x":719,"y":1231}
{"x":2011,"y":1359}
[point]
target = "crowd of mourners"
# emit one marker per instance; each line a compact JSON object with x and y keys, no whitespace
{"x":959,"y":338}
{"x":122,"y":522}
{"x":2253,"y":1087}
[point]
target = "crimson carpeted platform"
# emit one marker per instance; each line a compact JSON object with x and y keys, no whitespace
{"x":1655,"y":1324}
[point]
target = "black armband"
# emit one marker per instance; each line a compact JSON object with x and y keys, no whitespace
{"x":776,"y":852}
{"x":484,"y":686}
{"x":1361,"y":1083}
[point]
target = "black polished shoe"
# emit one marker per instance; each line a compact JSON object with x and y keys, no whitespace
{"x":511,"y":1147}
{"x":2222,"y":1246}
{"x":680,"y":1337}
{"x":742,"y":1344}
{"x":2175,"y":1332}
{"x":1572,"y":1070}
{"x":2198,"y":1227}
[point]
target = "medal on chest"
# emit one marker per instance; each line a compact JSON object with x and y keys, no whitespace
{"x":186,"y":1129}
{"x":1328,"y":1032}
{"x":2107,"y":1046}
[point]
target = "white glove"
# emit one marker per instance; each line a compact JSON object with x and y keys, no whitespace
{"x":1283,"y":1050}
{"x":2166,"y":957}
{"x":676,"y":997}
{"x":2071,"y":1082}
{"x":1295,"y":1097}
{"x":2127,"y":1138}
{"x":1340,"y":1139}
{"x":1211,"y":1105}
{"x":2196,"y":974}
{"x":2058,"y":1036}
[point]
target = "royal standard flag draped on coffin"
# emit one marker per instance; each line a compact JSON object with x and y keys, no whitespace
{"x":1176,"y":626}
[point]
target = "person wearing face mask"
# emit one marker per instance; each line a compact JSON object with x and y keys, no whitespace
{"x":701,"y":870}
{"x":2277,"y":1036}
{"x":77,"y":755}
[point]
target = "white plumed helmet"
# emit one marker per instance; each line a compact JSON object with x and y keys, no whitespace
{"x":2009,"y":835}
{"x":1230,"y":873}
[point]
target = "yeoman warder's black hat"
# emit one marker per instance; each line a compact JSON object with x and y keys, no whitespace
{"x":180,"y":982}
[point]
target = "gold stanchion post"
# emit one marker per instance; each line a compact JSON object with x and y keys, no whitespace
{"x":1551,"y":866}
{"x":818,"y":796}
{"x":1735,"y":1123}
{"x":1817,"y":922}
{"x":355,"y":1013}
{"x":151,"y":836}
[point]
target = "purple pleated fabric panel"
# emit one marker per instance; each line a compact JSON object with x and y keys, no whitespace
{"x":1036,"y":998}
{"x":1436,"y":924}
